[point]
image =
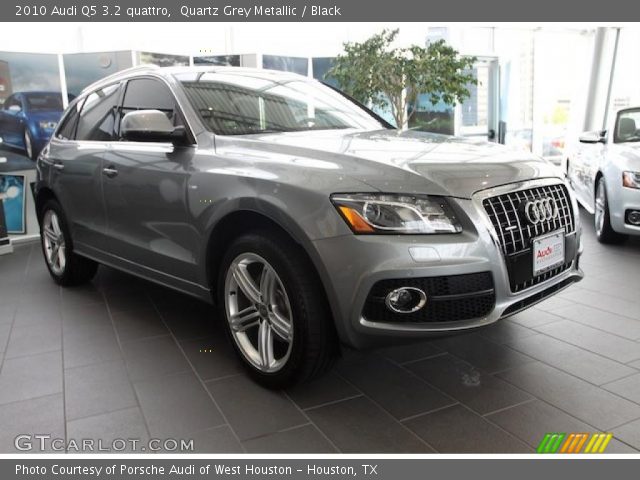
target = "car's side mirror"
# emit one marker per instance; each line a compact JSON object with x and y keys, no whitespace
{"x":151,"y":126}
{"x":594,"y":137}
{"x":15,"y":108}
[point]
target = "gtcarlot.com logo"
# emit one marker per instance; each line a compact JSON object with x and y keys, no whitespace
{"x":574,"y":443}
{"x":44,"y":443}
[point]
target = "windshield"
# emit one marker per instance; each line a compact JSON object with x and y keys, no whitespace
{"x":627,"y":126}
{"x":37,"y":102}
{"x":244,"y":103}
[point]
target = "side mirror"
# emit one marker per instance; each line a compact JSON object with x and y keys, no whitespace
{"x":15,"y":108}
{"x":151,"y":126}
{"x":594,"y":137}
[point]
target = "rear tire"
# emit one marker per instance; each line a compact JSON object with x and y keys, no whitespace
{"x":284,"y":334}
{"x":602,"y":219}
{"x":66,"y":268}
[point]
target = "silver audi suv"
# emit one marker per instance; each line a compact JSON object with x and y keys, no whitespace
{"x":305,"y":217}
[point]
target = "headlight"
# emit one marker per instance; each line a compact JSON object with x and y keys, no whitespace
{"x":47,"y":125}
{"x":387,"y":213}
{"x":631,"y":179}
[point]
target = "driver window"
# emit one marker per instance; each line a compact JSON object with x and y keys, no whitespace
{"x":12,"y":101}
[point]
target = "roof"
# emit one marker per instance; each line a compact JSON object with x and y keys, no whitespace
{"x":165,"y":71}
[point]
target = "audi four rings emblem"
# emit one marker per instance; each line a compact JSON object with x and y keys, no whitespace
{"x":541,"y":210}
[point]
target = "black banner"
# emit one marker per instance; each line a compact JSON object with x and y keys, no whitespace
{"x":307,"y":469}
{"x":317,"y":11}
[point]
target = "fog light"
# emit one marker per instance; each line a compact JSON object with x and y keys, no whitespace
{"x":633,"y":217}
{"x":405,"y":300}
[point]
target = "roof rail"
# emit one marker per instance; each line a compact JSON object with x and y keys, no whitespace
{"x":139,"y":68}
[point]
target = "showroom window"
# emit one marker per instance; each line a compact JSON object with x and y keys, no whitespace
{"x":97,"y":118}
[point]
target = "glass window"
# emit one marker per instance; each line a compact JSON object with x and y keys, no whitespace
{"x":627,"y":126}
{"x":12,"y":101}
{"x":43,"y":101}
{"x":240,"y":104}
{"x":67,"y":130}
{"x":97,"y":118}
{"x":149,"y":94}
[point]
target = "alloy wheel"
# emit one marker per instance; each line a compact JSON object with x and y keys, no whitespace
{"x":54,"y":242}
{"x":259,"y":312}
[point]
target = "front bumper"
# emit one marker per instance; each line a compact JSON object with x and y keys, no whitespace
{"x":354,"y":264}
{"x":622,"y":199}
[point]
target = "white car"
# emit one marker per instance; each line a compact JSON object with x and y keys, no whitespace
{"x":604,"y":171}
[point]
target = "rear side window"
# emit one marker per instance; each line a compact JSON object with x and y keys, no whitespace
{"x":98,"y":115}
{"x":149,"y":94}
{"x":67,"y":130}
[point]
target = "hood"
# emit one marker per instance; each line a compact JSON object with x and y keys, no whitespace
{"x":402,"y":162}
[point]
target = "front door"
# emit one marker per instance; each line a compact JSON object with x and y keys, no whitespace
{"x":146,"y":193}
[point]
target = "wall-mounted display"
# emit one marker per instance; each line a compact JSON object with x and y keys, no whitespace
{"x":162,"y":59}
{"x":82,"y":69}
{"x":13,"y":196}
{"x":30,"y":100}
{"x":299,"y":65}
{"x":28,"y":119}
{"x":4,"y":235}
{"x":218,"y":60}
{"x":5,"y":81}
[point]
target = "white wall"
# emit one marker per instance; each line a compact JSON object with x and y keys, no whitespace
{"x":295,"y":39}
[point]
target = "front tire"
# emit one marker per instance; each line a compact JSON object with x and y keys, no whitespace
{"x":602,"y":219}
{"x":66,"y":268}
{"x":28,"y":145}
{"x":275,"y":311}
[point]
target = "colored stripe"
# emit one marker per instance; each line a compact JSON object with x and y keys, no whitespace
{"x":606,"y":441}
{"x":596,"y":445}
{"x":581,"y":443}
{"x":568,"y":443}
{"x":594,"y":437}
{"x":543,"y":443}
{"x":558,"y":441}
{"x":576,"y":440}
{"x":550,"y":443}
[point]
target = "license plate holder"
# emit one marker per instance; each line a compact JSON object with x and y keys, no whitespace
{"x":548,"y":252}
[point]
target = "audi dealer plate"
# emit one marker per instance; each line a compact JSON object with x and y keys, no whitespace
{"x":548,"y":252}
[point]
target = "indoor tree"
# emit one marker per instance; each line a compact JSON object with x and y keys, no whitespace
{"x":376,"y":73}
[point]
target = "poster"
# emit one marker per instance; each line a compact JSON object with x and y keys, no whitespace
{"x":13,"y":196}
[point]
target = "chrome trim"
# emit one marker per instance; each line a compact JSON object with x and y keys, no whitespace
{"x":421,"y":303}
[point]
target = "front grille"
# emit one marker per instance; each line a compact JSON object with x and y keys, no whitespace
{"x":515,"y":233}
{"x":449,"y":298}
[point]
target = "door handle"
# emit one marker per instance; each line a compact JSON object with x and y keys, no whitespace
{"x":110,"y":171}
{"x":58,"y":166}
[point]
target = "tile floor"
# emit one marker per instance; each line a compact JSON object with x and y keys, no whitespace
{"x":122,"y":358}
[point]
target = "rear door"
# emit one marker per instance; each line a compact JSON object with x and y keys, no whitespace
{"x":146,"y":192}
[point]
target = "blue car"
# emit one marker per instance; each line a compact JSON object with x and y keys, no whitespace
{"x":28,"y":119}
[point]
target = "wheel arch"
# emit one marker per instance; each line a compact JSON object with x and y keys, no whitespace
{"x":237,"y":222}
{"x":43,"y":195}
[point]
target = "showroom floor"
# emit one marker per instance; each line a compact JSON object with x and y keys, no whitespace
{"x":122,"y":358}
